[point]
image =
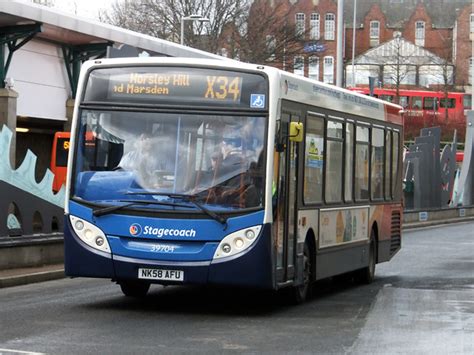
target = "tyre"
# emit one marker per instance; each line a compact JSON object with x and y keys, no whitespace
{"x":367,"y":274}
{"x":134,"y":288}
{"x":302,"y":292}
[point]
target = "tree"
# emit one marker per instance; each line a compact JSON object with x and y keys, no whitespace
{"x":270,"y":35}
{"x":162,"y":19}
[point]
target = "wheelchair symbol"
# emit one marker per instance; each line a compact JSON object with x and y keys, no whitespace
{"x":257,"y":101}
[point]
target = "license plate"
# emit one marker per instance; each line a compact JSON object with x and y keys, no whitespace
{"x":161,"y":274}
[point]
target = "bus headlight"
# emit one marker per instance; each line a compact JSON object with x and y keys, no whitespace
{"x":237,"y":242}
{"x":90,"y":234}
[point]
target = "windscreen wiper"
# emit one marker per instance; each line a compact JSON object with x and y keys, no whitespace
{"x":110,"y":209}
{"x":186,"y":198}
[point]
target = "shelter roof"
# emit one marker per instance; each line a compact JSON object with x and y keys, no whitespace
{"x":65,"y":28}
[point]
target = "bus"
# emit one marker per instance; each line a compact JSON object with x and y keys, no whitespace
{"x":211,"y":172}
{"x":428,"y":109}
{"x":59,"y":156}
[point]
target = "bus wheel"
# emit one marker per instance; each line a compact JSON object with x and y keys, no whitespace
{"x":303,"y":291}
{"x":367,"y":274}
{"x":134,"y":288}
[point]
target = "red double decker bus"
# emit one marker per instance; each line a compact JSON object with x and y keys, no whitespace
{"x":428,"y":109}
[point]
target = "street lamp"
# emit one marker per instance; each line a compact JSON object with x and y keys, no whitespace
{"x":190,"y":18}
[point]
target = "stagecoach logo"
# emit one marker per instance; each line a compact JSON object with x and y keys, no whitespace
{"x":135,"y":229}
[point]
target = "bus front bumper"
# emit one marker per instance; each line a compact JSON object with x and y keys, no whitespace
{"x":251,"y":268}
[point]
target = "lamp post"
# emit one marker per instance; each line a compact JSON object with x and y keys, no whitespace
{"x":190,"y":18}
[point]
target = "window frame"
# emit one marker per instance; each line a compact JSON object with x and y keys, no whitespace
{"x":300,"y":21}
{"x":295,"y":58}
{"x":420,"y":33}
{"x":325,"y":72}
{"x":311,"y":60}
{"x":330,"y":26}
{"x":315,"y":26}
{"x":374,"y":33}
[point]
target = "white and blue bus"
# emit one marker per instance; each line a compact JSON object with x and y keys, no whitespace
{"x":186,"y":171}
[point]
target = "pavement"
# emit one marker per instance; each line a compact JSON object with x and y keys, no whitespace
{"x":23,"y":276}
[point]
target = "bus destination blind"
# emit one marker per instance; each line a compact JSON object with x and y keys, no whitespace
{"x":164,"y":85}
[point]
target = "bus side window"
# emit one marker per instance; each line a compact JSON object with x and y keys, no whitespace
{"x":403,"y":101}
{"x":447,"y":103}
{"x":416,"y":102}
{"x":314,"y":160}
{"x":430,"y":103}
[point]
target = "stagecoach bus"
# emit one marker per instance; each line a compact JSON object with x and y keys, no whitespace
{"x":212,"y":172}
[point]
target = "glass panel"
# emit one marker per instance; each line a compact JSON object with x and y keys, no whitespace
{"x":374,"y":29}
{"x":328,"y":70}
{"x":329,"y":27}
{"x":388,"y":147}
{"x":279,"y":196}
{"x":362,"y":134}
{"x":313,"y":68}
{"x":314,"y":26}
{"x":403,"y":101}
{"x":298,"y":66}
{"x":377,"y":163}
{"x":334,"y":129}
{"x":300,"y":27}
{"x":349,"y":161}
{"x":429,"y":103}
{"x":314,"y":160}
{"x":216,"y":158}
{"x":447,"y":103}
{"x":395,"y":154}
{"x":361,"y":181}
{"x":333,"y":191}
{"x":416,"y":102}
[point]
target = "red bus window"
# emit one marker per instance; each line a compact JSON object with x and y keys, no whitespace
{"x":403,"y":101}
{"x":416,"y":102}
{"x":429,"y":103}
{"x":447,"y":103}
{"x":388,"y":98}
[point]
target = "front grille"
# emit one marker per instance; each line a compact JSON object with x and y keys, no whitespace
{"x":395,"y":233}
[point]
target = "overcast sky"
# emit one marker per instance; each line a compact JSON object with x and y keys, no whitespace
{"x":85,"y":8}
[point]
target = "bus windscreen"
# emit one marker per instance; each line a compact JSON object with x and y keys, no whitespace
{"x":160,"y":85}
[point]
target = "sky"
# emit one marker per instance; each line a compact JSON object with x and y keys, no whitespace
{"x":85,"y":8}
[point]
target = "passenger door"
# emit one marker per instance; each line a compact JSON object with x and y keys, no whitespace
{"x":286,"y":156}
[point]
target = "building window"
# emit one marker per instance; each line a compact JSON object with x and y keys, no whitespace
{"x":328,"y":70}
{"x":420,"y":33}
{"x":470,"y":71}
{"x":271,"y":47}
{"x":298,"y":65}
{"x":472,"y":23}
{"x":330,"y":27}
{"x":314,"y":26}
{"x":374,"y":33}
{"x":299,"y":21}
{"x":313,"y":68}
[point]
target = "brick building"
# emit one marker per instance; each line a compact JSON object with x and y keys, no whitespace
{"x":442,"y":27}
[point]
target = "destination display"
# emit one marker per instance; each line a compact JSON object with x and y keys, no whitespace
{"x":173,"y":85}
